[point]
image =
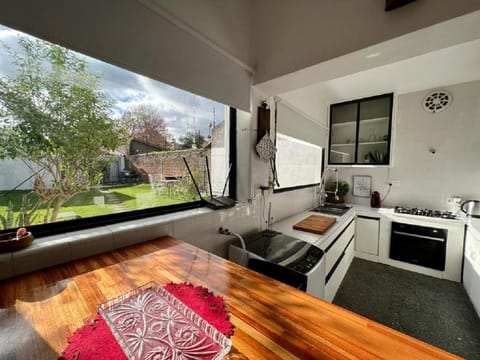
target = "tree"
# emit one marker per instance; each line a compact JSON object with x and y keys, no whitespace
{"x":145,"y":123}
{"x":59,"y":122}
{"x":191,"y":138}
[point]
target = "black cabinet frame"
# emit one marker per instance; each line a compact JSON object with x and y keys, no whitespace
{"x":358,"y":102}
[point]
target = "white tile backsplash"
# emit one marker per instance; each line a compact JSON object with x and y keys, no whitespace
{"x":288,"y":203}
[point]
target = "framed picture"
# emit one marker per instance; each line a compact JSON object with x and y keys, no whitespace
{"x":362,"y":185}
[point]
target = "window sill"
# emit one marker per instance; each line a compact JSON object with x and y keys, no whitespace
{"x":61,"y":248}
{"x":298,"y":187}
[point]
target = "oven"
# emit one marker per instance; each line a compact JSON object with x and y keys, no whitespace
{"x":419,"y":245}
{"x":425,"y":244}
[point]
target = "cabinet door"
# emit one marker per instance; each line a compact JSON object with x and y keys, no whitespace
{"x":360,"y":131}
{"x":374,"y":130}
{"x":343,"y":133}
{"x":471,"y":269}
{"x":366,"y":237}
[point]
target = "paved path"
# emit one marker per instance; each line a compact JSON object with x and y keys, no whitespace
{"x":114,"y":201}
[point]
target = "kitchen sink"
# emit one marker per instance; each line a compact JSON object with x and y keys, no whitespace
{"x":332,"y":209}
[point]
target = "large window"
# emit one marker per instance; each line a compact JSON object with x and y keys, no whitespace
{"x":300,"y":142}
{"x":82,"y":139}
{"x":298,"y":162}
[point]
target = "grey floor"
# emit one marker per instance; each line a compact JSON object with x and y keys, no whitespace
{"x":436,"y":311}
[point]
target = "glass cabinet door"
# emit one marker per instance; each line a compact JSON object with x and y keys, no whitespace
{"x":360,"y":131}
{"x":374,"y":131}
{"x":343,"y":133}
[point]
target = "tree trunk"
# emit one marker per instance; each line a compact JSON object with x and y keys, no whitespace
{"x":47,"y":211}
{"x":58,"y":204}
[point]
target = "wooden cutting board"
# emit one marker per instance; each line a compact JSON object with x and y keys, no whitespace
{"x":316,"y":224}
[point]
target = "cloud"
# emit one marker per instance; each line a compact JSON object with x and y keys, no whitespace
{"x":7,"y":33}
{"x":181,"y":109}
{"x":8,"y":38}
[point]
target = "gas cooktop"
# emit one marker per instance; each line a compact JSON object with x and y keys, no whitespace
{"x":425,"y":212}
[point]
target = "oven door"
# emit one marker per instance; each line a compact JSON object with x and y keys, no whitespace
{"x":419,"y":245}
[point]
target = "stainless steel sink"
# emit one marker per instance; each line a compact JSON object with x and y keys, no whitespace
{"x":333,"y":209}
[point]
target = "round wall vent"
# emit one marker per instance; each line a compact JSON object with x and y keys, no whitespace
{"x":437,"y":101}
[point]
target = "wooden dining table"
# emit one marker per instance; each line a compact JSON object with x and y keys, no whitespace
{"x":38,"y":311}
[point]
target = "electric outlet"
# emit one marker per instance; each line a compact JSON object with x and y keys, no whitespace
{"x":453,"y":200}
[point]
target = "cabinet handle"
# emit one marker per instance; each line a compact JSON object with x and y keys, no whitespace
{"x":334,"y":267}
{"x":338,"y":236}
{"x":368,"y":217}
{"x":419,"y":236}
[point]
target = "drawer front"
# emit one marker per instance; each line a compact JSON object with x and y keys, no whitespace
{"x":336,"y":249}
{"x":336,"y":278}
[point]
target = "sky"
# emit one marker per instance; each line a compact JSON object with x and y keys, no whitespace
{"x":179,"y":108}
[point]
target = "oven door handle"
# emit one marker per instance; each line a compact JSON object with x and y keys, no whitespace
{"x":419,"y":236}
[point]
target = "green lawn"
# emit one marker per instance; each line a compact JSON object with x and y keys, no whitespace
{"x":98,"y":201}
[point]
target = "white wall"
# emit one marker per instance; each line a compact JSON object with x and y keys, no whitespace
{"x":13,"y":173}
{"x":227,"y":24}
{"x":427,"y":179}
{"x":309,"y":103}
{"x":251,"y":213}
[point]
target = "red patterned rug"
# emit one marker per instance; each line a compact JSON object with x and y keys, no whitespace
{"x":94,"y":340}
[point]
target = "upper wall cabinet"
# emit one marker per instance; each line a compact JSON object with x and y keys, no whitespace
{"x":360,"y":131}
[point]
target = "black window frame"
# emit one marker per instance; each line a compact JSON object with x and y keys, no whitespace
{"x":66,"y":226}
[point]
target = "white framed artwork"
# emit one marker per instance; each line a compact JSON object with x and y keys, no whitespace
{"x":362,"y":185}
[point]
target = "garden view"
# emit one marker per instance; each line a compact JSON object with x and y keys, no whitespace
{"x":70,"y":141}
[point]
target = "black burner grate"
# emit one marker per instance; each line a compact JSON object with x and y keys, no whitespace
{"x":425,"y":212}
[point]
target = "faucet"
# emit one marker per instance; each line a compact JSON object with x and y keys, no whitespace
{"x":323,"y":192}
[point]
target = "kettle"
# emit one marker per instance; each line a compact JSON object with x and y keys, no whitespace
{"x":471,"y":208}
{"x":375,"y":200}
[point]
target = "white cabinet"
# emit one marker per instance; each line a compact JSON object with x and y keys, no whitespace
{"x":336,"y":278}
{"x":471,"y":269}
{"x":366,"y":237}
{"x":337,"y":247}
{"x":337,"y":244}
{"x":339,"y":255}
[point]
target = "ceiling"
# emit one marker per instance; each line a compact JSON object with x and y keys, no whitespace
{"x":453,"y":65}
{"x":441,"y":55}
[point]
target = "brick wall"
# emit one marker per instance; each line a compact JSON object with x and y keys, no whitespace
{"x":169,"y":163}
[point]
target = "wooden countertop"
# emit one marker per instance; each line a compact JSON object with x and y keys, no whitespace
{"x":38,"y":311}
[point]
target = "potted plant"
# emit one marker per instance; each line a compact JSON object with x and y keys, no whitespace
{"x":341,"y":192}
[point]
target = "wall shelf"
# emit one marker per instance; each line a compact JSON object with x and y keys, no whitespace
{"x":374,"y":120}
{"x":372,"y":143}
{"x":363,"y":121}
{"x":340,"y":152}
